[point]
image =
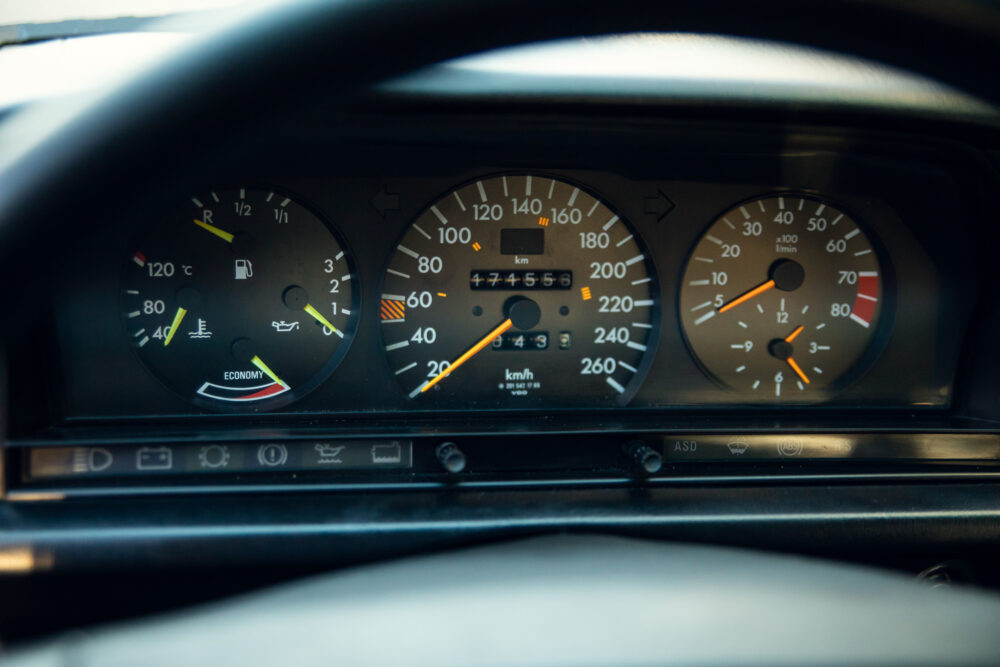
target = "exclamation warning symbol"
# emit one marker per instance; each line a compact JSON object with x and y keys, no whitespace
{"x":392,"y":310}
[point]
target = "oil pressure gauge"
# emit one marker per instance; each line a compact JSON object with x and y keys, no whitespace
{"x":240,"y":299}
{"x":781,"y":298}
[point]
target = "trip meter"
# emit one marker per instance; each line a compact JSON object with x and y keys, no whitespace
{"x":519,"y":290}
{"x":782,"y":297}
{"x":240,"y":299}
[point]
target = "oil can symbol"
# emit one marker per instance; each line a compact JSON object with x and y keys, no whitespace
{"x":329,"y":454}
{"x":387,"y":453}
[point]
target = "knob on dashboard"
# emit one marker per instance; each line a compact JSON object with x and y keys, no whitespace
{"x":647,"y":460}
{"x":451,"y":457}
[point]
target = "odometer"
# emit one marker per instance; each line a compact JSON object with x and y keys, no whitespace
{"x":782,"y":297}
{"x":519,"y":291}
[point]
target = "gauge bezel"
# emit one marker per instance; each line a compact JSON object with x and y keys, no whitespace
{"x":880,"y":336}
{"x":655,"y":288}
{"x":294,"y":393}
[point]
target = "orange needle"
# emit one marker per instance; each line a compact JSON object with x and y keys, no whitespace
{"x":468,"y":354}
{"x":760,"y":289}
{"x":798,"y":371}
{"x":795,"y":334}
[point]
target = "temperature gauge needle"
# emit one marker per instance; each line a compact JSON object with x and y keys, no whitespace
{"x":256,"y":361}
{"x":174,"y":325}
{"x":322,"y":320}
{"x":468,"y":354}
{"x":212,"y":229}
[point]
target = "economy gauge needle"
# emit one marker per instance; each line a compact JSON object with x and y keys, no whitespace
{"x":791,"y":362}
{"x":174,"y":325}
{"x":256,"y":361}
{"x":468,"y":354}
{"x":212,"y":229}
{"x":746,"y":296}
{"x":322,"y":320}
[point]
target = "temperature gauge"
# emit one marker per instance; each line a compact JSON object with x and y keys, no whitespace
{"x":242,"y":299}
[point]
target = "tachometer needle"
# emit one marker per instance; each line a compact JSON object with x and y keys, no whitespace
{"x":222,"y":234}
{"x":256,"y":361}
{"x":319,"y":318}
{"x":468,"y":354}
{"x":798,"y":371}
{"x":174,"y":325}
{"x":746,"y":296}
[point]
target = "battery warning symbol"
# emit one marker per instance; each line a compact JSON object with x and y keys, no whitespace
{"x":392,"y":310}
{"x":391,"y":453}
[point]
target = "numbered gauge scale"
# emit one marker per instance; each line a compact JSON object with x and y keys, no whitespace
{"x":519,"y":290}
{"x":242,"y":299}
{"x":781,"y":299}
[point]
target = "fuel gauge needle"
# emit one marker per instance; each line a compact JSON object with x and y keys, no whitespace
{"x":174,"y":325}
{"x":256,"y":361}
{"x":212,"y":229}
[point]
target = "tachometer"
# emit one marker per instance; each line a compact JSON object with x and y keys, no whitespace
{"x":781,"y":298}
{"x":241,"y":299}
{"x":519,"y":291}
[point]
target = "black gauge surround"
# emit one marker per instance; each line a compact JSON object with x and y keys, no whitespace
{"x":519,"y":290}
{"x":240,"y":299}
{"x":783,"y":298}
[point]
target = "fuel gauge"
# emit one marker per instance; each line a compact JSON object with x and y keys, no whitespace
{"x":242,"y":299}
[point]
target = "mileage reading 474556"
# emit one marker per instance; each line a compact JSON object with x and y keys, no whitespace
{"x":519,"y":290}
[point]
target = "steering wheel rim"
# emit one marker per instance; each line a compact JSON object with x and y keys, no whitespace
{"x":209,"y":89}
{"x":579,"y":600}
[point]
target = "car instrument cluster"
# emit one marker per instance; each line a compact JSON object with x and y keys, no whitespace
{"x":378,"y":311}
{"x":511,"y":290}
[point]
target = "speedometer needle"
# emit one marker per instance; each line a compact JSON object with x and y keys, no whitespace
{"x":468,"y":354}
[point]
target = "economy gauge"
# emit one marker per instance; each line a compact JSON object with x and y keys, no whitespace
{"x":781,"y":298}
{"x":519,"y":291}
{"x":240,"y":299}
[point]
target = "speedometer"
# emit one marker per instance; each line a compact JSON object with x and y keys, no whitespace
{"x":519,"y":290}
